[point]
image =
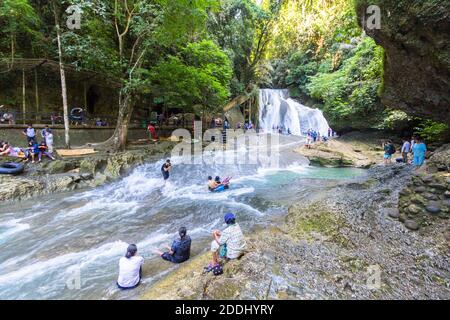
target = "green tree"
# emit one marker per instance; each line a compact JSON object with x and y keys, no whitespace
{"x":199,"y":75}
{"x":17,"y":17}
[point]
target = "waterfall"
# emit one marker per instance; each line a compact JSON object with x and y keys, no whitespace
{"x":276,"y":109}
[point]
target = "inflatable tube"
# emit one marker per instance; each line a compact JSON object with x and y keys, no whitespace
{"x":75,"y":114}
{"x":220,"y":188}
{"x":11,"y":168}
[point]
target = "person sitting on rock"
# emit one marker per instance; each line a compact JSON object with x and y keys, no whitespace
{"x":32,"y":151}
{"x":229,"y":244}
{"x":180,"y":250}
{"x":9,"y":151}
{"x":43,"y":150}
{"x":130,"y":269}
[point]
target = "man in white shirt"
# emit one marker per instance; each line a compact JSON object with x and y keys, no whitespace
{"x":130,"y":269}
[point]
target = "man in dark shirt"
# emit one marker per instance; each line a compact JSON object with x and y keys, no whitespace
{"x":165,"y":169}
{"x":180,"y":250}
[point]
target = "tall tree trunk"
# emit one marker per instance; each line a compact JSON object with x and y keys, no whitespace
{"x":118,"y":140}
{"x":63,"y":80}
{"x":24,"y":106}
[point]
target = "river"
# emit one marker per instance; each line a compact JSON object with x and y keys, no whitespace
{"x":51,"y":242}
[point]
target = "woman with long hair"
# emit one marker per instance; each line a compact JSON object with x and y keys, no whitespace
{"x":130,"y":269}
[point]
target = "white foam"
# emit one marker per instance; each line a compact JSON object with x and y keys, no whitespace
{"x":12,"y":227}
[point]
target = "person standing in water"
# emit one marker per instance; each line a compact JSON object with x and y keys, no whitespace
{"x":130,"y":269}
{"x":165,"y":169}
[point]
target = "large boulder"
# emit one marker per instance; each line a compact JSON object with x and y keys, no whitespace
{"x":121,"y":162}
{"x":18,"y":188}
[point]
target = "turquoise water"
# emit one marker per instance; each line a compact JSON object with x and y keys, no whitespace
{"x":46,"y":241}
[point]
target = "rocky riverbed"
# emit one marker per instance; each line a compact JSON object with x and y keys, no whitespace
{"x":348,"y":242}
{"x":67,"y":174}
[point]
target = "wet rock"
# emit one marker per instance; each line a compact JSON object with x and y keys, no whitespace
{"x":438,"y":186}
{"x":99,"y":179}
{"x":393,"y":213}
{"x":447,"y":194}
{"x":86,"y":176}
{"x":414,"y":209}
{"x":61,"y":184}
{"x":430,"y":196}
{"x":420,"y":189}
{"x":441,"y":158}
{"x":405,"y":192}
{"x":18,"y":188}
{"x":411,"y":225}
{"x":418,"y":200}
{"x":60,"y":166}
{"x":92,"y":165}
{"x":447,"y":235}
{"x":118,"y":164}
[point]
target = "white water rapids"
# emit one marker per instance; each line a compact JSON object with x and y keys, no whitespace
{"x":48,"y":241}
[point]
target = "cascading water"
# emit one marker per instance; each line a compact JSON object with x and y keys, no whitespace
{"x":278,"y":111}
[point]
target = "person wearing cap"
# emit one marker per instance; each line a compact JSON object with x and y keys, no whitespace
{"x":180,"y":250}
{"x":232,"y":237}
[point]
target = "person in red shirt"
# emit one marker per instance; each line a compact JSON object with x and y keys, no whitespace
{"x":152,"y":131}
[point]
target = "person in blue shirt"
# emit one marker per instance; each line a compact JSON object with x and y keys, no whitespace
{"x":32,"y":151}
{"x":419,"y":152}
{"x":180,"y":250}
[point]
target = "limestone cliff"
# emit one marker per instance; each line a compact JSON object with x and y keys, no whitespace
{"x":416,"y":37}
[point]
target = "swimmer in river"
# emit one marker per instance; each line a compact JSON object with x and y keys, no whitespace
{"x":165,"y":169}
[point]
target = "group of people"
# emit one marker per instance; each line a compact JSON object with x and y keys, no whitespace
{"x":34,"y":150}
{"x":228,"y":244}
{"x":414,"y":147}
{"x":213,"y":184}
{"x":281,"y":129}
{"x":315,"y":136}
{"x":6,"y":117}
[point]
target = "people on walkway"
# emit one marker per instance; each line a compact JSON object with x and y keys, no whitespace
{"x":228,"y":244}
{"x":419,"y":152}
{"x":180,"y":250}
{"x":130,"y":269}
